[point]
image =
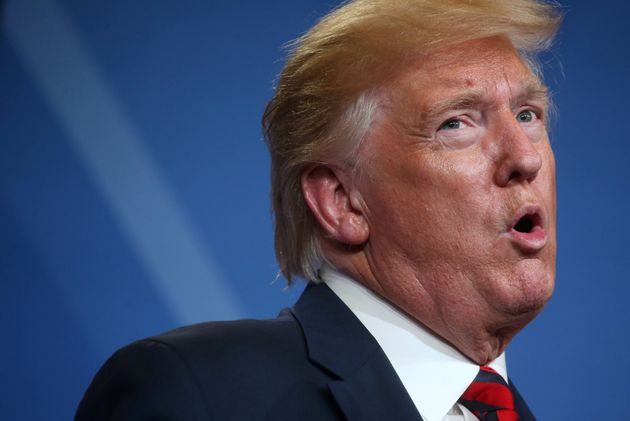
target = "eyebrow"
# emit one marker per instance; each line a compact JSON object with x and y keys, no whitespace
{"x":531,"y":90}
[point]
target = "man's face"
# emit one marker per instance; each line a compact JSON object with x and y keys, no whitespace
{"x":458,"y":185}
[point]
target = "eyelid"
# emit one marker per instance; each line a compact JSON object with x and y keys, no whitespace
{"x":443,"y":127}
{"x":538,"y":113}
{"x":538,"y":108}
{"x":464,"y":116}
{"x":450,"y":120}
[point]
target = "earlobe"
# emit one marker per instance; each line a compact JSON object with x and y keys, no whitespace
{"x":335,"y":205}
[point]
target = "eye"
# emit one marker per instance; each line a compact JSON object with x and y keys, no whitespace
{"x":526,"y":116}
{"x":451,"y":125}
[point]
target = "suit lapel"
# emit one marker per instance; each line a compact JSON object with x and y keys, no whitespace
{"x":520,"y":406}
{"x":364,"y":383}
{"x":374,"y":392}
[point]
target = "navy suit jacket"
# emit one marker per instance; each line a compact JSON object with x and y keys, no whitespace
{"x":315,"y":361}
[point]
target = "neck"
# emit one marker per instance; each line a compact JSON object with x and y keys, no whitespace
{"x":482,"y":337}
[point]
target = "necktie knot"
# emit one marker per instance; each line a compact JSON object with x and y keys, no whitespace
{"x":489,"y":397}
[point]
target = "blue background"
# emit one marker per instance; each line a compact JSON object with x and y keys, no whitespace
{"x":134,"y":191}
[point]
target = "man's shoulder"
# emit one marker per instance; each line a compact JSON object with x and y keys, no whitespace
{"x":233,"y":339}
{"x":216,"y":349}
{"x":222,"y":345}
{"x":200,"y":369}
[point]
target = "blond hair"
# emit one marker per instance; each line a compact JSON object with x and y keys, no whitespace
{"x":325,"y":99}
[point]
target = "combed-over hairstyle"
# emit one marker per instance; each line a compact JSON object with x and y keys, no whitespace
{"x":324,"y":101}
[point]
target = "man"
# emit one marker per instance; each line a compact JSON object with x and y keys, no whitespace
{"x":413,"y":185}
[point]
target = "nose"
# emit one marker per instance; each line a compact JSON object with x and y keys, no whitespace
{"x":518,"y":160}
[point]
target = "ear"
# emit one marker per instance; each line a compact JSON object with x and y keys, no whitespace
{"x":337,"y":207}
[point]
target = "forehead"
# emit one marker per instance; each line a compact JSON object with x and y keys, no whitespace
{"x":487,"y":67}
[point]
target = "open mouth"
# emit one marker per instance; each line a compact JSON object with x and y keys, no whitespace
{"x":528,"y":229}
{"x":528,"y":222}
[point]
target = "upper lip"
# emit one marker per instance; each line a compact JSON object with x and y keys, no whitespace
{"x":532,"y":211}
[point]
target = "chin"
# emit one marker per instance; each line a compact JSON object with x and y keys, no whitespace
{"x":518,"y":307}
{"x":528,"y":294}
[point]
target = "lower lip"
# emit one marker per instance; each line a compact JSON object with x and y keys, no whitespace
{"x":529,"y":241}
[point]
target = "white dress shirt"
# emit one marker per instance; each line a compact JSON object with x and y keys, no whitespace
{"x":433,"y":372}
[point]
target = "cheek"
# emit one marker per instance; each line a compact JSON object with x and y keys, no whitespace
{"x":549,"y":160}
{"x":551,"y":164}
{"x":463,"y":193}
{"x":546,"y":184}
{"x":550,"y":197}
{"x":452,"y":208}
{"x":440,"y":198}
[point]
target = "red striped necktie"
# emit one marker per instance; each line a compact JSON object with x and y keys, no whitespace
{"x":489,"y":397}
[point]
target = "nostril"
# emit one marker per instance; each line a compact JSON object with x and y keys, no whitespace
{"x":515,"y":176}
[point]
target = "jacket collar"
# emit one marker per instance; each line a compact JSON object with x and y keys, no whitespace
{"x":520,"y":406}
{"x":364,"y":383}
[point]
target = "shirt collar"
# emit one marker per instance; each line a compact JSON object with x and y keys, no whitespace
{"x":434,"y":373}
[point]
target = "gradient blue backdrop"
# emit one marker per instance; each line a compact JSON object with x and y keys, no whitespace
{"x":134,"y":185}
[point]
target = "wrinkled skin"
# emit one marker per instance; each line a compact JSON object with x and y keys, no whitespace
{"x":460,"y":146}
